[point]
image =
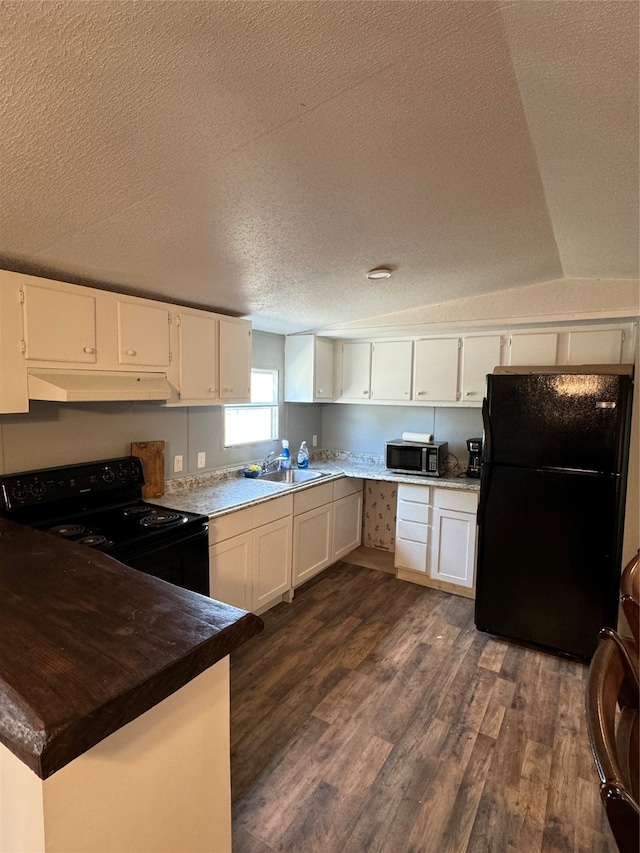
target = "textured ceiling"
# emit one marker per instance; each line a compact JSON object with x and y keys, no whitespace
{"x":259,"y":157}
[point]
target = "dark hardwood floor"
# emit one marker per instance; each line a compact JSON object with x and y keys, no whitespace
{"x":371,"y":716}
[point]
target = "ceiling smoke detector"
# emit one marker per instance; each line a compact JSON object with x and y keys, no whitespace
{"x":379,"y":273}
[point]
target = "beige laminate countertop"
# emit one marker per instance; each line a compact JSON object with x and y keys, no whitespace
{"x":223,"y":496}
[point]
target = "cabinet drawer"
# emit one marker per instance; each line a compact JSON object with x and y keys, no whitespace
{"x":457,"y":500}
{"x":233,"y":524}
{"x":345,"y":487}
{"x":272,"y":510}
{"x":411,"y":555}
{"x":416,"y":494}
{"x":412,"y":531}
{"x":312,"y":498}
{"x":413,"y":512}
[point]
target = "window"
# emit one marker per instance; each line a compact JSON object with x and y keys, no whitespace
{"x":257,"y":420}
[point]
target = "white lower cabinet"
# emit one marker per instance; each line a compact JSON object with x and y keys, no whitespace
{"x":250,"y":555}
{"x":436,"y":534}
{"x":453,"y":544}
{"x":413,"y":528}
{"x":258,"y":554}
{"x":271,"y":562}
{"x":230,"y":570}
{"x":327,"y":525}
{"x":347,"y":525}
{"x":312,"y":551}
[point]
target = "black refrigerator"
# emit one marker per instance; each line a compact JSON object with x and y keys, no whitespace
{"x":551,"y":510}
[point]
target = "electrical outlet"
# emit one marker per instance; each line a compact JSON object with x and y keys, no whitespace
{"x":314,"y":440}
{"x":177,"y":464}
{"x":202,"y":459}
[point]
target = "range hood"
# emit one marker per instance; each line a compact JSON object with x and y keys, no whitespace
{"x":84,"y":386}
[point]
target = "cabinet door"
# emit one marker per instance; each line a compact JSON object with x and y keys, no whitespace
{"x":533,"y":348}
{"x":58,"y":325}
{"x":436,"y":370}
{"x":143,"y":334}
{"x":356,"y":370}
{"x":271,"y":561}
{"x":600,"y":346}
{"x":312,"y":544}
{"x":323,"y":369}
{"x":479,"y":356}
{"x":391,"y":370}
{"x":453,"y":547}
{"x":230,"y":566}
{"x":347,"y":525}
{"x":235,"y":361}
{"x":198,"y":337}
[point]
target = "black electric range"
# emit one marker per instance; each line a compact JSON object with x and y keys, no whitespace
{"x":99,"y":505}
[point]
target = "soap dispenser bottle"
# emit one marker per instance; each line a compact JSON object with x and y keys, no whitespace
{"x":285,"y":456}
{"x":303,"y":456}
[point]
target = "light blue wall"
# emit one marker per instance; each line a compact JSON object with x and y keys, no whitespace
{"x":366,"y":428}
{"x":65,"y":433}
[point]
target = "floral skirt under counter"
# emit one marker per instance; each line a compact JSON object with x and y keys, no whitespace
{"x":379,"y":515}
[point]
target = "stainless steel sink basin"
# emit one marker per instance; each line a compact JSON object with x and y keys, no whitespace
{"x":293,"y":475}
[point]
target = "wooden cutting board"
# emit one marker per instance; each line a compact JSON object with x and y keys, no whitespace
{"x":151,"y":453}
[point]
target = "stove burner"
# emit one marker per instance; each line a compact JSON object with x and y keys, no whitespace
{"x":94,"y":540}
{"x":161,"y":518}
{"x":136,"y":510}
{"x":68,"y":531}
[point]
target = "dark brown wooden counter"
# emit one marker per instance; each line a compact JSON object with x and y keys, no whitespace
{"x":87,"y":644}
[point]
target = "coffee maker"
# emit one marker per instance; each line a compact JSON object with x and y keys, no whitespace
{"x":474,"y":446}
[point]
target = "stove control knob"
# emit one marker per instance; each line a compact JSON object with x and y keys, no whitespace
{"x":122,"y":473}
{"x":37,"y":489}
{"x":108,"y":475}
{"x":18,"y":493}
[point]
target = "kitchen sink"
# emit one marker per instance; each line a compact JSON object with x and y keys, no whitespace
{"x":293,"y":475}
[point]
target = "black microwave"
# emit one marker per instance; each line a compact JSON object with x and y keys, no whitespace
{"x":413,"y":457}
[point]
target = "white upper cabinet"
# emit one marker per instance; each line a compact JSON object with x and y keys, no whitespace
{"x":436,"y":370}
{"x":598,"y":346}
{"x":356,"y":370}
{"x":198,"y":355}
{"x":479,"y":356}
{"x":539,"y":348}
{"x":58,"y":325}
{"x":235,"y":360}
{"x":143,"y":333}
{"x":214,"y":358}
{"x":308,"y":369}
{"x":391,"y":370}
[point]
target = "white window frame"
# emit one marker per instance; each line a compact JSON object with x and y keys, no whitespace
{"x":271,"y":406}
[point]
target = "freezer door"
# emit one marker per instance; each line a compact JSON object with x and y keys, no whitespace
{"x":566,"y":421}
{"x":549,"y":553}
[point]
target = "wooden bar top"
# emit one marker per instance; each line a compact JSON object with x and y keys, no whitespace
{"x":87,"y":644}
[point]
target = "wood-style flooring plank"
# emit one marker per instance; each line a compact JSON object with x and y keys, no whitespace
{"x":371,"y":717}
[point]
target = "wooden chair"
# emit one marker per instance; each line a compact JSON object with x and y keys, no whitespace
{"x":615,"y":744}
{"x":630,"y":596}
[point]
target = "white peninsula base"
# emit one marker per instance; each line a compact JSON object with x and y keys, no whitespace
{"x":160,"y":784}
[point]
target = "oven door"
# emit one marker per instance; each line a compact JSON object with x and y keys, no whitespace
{"x":183,"y":562}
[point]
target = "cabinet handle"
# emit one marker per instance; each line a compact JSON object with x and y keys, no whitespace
{"x":227,"y":388}
{"x":365,"y":393}
{"x":320,"y":391}
{"x":421,"y":393}
{"x":131,"y":352}
{"x":89,"y":350}
{"x":471,"y":393}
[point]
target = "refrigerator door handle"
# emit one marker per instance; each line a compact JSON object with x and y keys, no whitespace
{"x":487,"y":447}
{"x":487,"y":443}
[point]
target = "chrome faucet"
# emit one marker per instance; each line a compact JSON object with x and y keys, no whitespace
{"x":269,"y":462}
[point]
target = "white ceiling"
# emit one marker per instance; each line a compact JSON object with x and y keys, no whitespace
{"x":259,"y":157}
